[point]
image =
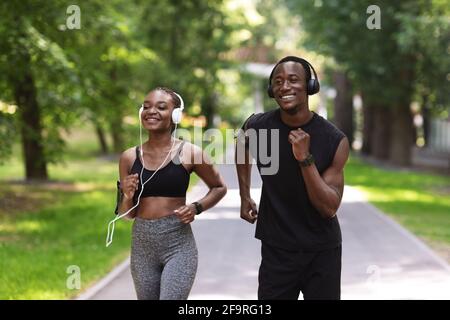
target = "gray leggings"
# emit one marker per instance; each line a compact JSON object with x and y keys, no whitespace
{"x":163,"y":258}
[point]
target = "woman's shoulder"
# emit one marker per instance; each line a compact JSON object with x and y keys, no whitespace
{"x":190,"y":148}
{"x":192,"y":153}
{"x":128,"y":156}
{"x":129,"y":152}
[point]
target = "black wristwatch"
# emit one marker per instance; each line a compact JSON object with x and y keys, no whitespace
{"x":198,"y":207}
{"x":308,"y":161}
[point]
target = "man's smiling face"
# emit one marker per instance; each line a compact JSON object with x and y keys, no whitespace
{"x":289,"y":86}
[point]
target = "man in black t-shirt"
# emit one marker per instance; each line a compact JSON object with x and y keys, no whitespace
{"x":296,"y":223}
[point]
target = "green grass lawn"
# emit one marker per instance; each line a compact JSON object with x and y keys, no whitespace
{"x":47,"y":228}
{"x":418,"y":201}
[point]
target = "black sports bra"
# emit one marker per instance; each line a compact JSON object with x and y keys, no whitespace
{"x":172,"y":180}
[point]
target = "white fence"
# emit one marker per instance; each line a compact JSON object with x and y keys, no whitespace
{"x":439,"y":138}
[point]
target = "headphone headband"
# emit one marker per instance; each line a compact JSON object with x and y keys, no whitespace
{"x":181,"y":100}
{"x":293,"y":59}
{"x":179,"y":97}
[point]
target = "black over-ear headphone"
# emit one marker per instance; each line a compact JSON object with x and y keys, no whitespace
{"x":312,"y":85}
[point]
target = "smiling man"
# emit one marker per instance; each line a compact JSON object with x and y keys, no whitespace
{"x":296,"y":223}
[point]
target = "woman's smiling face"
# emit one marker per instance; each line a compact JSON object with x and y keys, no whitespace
{"x":157,"y":111}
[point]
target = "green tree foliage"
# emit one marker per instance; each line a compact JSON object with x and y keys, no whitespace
{"x":7,"y":133}
{"x":58,"y":76}
{"x":383,"y":63}
{"x":32,"y":59}
{"x":189,"y":38}
{"x":110,"y":64}
{"x":428,"y":34}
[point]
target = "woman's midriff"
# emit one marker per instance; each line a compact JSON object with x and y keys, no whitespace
{"x":158,"y":207}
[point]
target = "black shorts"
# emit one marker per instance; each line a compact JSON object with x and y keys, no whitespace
{"x":284,"y":274}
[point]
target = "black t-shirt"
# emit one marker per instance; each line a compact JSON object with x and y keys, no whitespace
{"x":286,"y":217}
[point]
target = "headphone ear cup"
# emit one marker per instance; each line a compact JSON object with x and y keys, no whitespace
{"x":270,"y":92}
{"x":176,"y":115}
{"x":313,"y":86}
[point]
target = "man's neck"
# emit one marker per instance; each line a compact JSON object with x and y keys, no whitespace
{"x":302,"y":117}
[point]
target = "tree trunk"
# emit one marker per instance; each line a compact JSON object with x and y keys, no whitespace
{"x":367,"y":130}
{"x":401,"y":137}
{"x":117,"y":133}
{"x":101,"y":138}
{"x":401,"y":119}
{"x":380,"y":137}
{"x":30,"y":123}
{"x":209,"y":108}
{"x":116,"y":119}
{"x":343,"y":105}
{"x":426,"y":120}
{"x":174,"y":35}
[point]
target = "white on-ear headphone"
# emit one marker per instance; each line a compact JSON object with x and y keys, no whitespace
{"x":177,"y":113}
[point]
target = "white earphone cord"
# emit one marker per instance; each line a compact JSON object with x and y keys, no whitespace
{"x":109,"y":238}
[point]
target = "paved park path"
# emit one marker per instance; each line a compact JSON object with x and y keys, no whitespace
{"x":381,"y":260}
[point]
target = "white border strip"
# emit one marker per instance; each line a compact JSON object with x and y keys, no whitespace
{"x":92,"y":291}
